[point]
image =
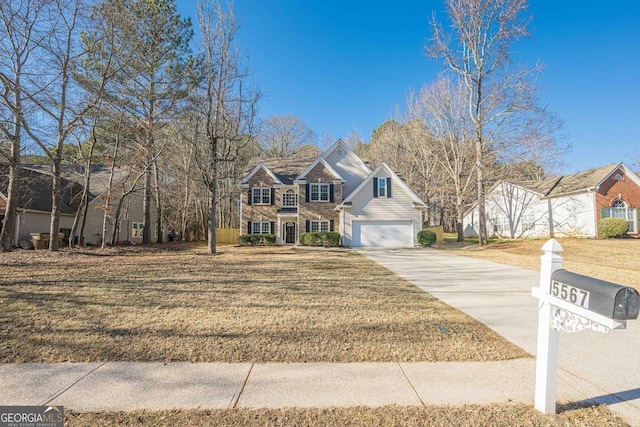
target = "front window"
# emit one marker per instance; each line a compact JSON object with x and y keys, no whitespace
{"x":319,"y":226}
{"x":319,"y":192}
{"x":528,"y":222}
{"x":501,"y":225}
{"x":137,"y":229}
{"x":261,"y":196}
{"x":619,"y":209}
{"x":261,"y":227}
{"x":290,"y":198}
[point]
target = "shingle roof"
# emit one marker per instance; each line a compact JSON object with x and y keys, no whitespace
{"x":286,"y":169}
{"x":99,"y":176}
{"x":577,"y":182}
{"x":35,"y":190}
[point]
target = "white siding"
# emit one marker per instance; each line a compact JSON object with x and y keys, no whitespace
{"x":350,"y":169}
{"x":509,"y":208}
{"x":367,"y":208}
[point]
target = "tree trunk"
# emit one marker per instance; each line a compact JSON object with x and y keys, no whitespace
{"x":8,"y":232}
{"x":82,"y":208}
{"x":213,"y":190}
{"x":156,"y":175}
{"x":8,"y":237}
{"x":146,"y":203}
{"x":56,"y":196}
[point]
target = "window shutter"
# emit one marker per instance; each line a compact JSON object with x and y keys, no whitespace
{"x":273,"y":196}
{"x":375,"y":187}
{"x":389,"y":187}
{"x":308,"y":226}
{"x":602,"y":213}
{"x":273,"y":227}
{"x":249,"y":201}
{"x":307,"y":193}
{"x":331,"y":198}
{"x":249,"y":227}
{"x":331,"y":225}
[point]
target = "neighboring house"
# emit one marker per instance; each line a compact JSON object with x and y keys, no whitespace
{"x":34,"y":208}
{"x":570,"y":205}
{"x":337,"y":192}
{"x":129,"y":219}
{"x":35,"y":201}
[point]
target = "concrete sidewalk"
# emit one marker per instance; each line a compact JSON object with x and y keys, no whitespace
{"x":126,"y":386}
{"x":601,"y":367}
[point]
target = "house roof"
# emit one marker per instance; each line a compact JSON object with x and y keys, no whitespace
{"x":35,"y":190}
{"x":284,"y":169}
{"x":396,"y":179}
{"x":574,"y":183}
{"x":100,"y":175}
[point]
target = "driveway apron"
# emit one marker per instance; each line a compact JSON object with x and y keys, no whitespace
{"x":601,"y":367}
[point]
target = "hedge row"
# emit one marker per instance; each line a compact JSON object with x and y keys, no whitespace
{"x":324,"y":238}
{"x":257,"y":239}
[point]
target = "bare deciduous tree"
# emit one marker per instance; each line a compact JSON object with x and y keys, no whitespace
{"x":283,"y":136}
{"x":226,"y":103}
{"x":21,"y":35}
{"x":478,"y":47}
{"x":441,"y":109}
{"x":53,"y":92}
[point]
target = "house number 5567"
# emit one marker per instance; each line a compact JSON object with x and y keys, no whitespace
{"x":570,"y":293}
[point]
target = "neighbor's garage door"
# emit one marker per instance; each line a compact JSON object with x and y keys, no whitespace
{"x":382,"y":233}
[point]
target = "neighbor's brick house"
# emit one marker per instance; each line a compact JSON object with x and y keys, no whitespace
{"x":569,"y":205}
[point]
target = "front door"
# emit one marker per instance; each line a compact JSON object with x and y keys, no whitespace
{"x":290,"y":232}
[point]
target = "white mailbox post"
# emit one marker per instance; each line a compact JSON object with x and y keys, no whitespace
{"x":572,"y":302}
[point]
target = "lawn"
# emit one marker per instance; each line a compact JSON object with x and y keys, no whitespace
{"x":435,"y":416}
{"x":175,"y":303}
{"x":614,"y":260}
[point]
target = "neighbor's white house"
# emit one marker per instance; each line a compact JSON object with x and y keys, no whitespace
{"x":570,"y":205}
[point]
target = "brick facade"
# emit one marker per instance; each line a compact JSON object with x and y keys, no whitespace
{"x":307,"y":211}
{"x":618,"y":186}
{"x":319,"y":210}
{"x":612,"y":189}
{"x":253,"y":213}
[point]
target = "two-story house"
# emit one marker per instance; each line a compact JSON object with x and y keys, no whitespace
{"x":337,"y":192}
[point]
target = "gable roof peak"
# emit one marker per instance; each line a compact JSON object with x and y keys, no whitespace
{"x":394,"y":176}
{"x":323,"y":162}
{"x":257,"y":167}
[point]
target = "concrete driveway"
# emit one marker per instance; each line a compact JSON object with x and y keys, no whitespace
{"x":601,"y":367}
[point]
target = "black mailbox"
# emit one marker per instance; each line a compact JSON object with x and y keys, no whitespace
{"x":605,"y":298}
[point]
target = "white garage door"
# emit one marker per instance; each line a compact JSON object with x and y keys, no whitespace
{"x":382,"y":233}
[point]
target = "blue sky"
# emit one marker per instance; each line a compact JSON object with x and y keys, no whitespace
{"x":340,"y":65}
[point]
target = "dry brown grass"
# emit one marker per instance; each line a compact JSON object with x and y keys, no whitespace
{"x":614,"y":260}
{"x":443,"y":416}
{"x":175,"y":303}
